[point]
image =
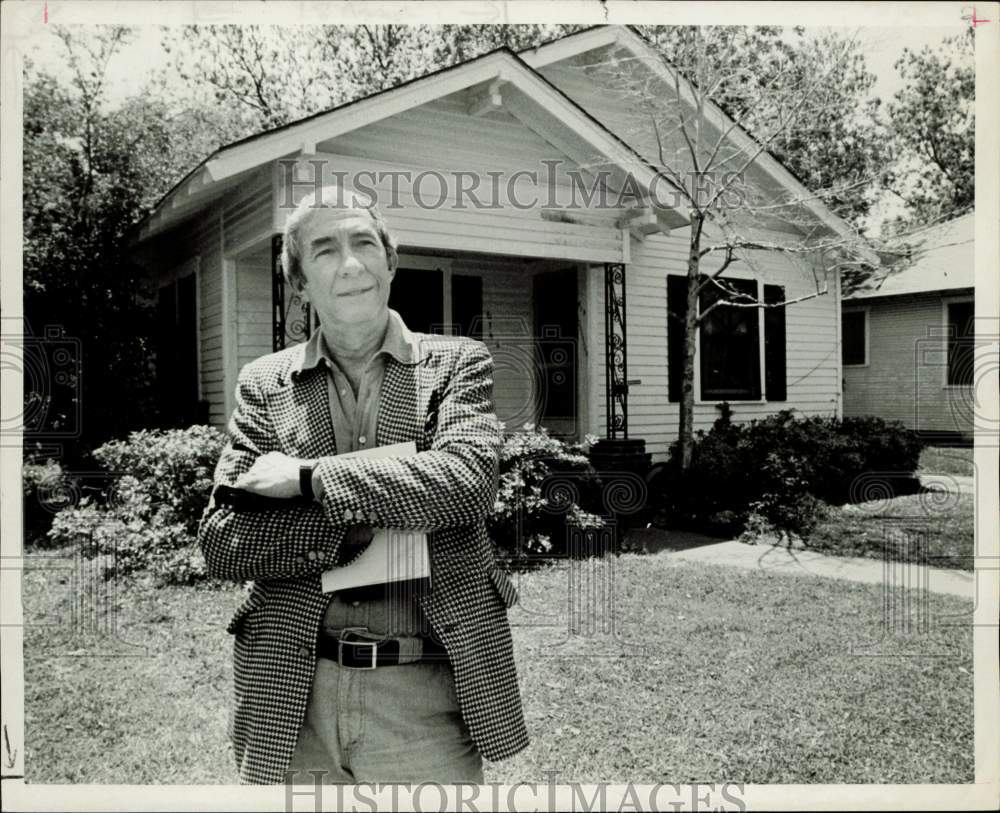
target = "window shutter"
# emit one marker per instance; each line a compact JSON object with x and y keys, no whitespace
{"x":676,"y":313}
{"x":775,"y":374}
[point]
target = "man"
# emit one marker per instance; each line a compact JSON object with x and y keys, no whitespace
{"x":403,"y":685}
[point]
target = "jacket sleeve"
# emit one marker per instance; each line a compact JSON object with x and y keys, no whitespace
{"x":452,"y":484}
{"x":295,"y":539}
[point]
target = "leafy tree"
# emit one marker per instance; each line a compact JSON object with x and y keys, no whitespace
{"x":754,"y":69}
{"x":267,"y":75}
{"x":273,"y":75}
{"x":459,"y":43}
{"x":90,"y":173}
{"x":934,"y":126}
{"x":714,"y":174}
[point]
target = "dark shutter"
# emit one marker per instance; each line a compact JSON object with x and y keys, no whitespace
{"x":775,"y":375}
{"x":676,"y":314}
{"x":961,"y":343}
{"x":418,"y":296}
{"x":187,"y":340}
{"x":467,"y":305}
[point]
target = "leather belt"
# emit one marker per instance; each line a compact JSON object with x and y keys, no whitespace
{"x":351,"y":649}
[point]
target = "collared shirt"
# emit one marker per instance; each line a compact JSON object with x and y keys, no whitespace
{"x":393,"y":610}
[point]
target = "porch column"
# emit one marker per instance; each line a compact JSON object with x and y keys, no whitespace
{"x":621,"y":461}
{"x":615,"y":352}
{"x":291,"y":317}
{"x":277,"y":296}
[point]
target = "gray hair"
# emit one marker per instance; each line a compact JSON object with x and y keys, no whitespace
{"x":291,"y":250}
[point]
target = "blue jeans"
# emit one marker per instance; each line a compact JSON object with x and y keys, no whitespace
{"x":391,"y":724}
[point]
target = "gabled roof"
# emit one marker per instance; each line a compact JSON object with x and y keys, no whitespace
{"x":944,"y":260}
{"x":552,"y":113}
{"x":628,"y":38}
{"x":568,"y":126}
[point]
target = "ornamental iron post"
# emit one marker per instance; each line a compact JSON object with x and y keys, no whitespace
{"x":277,"y":296}
{"x":290,"y":316}
{"x":615,"y":354}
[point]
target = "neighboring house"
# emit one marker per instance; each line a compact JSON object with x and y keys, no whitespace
{"x":572,"y":304}
{"x":908,"y":351}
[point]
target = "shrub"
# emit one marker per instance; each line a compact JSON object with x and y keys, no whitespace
{"x":149,"y":520}
{"x":39,"y":484}
{"x":779,"y":472}
{"x":546,"y":487}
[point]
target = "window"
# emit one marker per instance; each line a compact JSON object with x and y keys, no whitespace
{"x":177,"y":352}
{"x":961,"y":343}
{"x":730,"y":352}
{"x":854,"y":338}
{"x":418,"y":296}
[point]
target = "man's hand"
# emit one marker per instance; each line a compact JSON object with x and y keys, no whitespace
{"x":272,"y":475}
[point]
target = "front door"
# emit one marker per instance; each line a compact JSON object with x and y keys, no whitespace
{"x":555,"y":316}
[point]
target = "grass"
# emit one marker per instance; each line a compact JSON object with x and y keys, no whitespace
{"x":947,"y":460}
{"x":933,"y":527}
{"x":715,"y":674}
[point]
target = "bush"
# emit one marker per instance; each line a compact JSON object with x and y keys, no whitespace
{"x":546,"y":487}
{"x":779,"y":472}
{"x":40,"y":483}
{"x":149,"y":520}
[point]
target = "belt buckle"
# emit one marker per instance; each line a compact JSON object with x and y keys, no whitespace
{"x":341,"y":642}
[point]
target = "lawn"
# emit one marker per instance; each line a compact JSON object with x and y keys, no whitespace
{"x":932,"y":527}
{"x":947,"y":460}
{"x":714,"y":674}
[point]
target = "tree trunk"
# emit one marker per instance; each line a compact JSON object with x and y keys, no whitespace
{"x":686,"y":429}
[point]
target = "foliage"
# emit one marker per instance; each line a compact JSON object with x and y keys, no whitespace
{"x":149,"y":520}
{"x":933,"y":120}
{"x":789,"y":97}
{"x":273,"y":75}
{"x":546,"y":487}
{"x":91,"y":171}
{"x":38,"y":480}
{"x":777,"y":473}
{"x":758,"y":74}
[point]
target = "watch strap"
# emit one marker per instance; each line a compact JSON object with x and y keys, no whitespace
{"x":306,"y":481}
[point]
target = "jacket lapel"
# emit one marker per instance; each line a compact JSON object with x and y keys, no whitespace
{"x":301,"y":415}
{"x":399,"y":410}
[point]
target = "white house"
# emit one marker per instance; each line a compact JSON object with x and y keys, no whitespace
{"x":908,"y":338}
{"x":572,"y":301}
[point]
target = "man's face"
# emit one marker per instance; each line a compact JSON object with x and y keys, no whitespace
{"x":347,"y":276}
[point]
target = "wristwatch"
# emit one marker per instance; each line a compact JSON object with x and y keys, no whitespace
{"x":306,"y":479}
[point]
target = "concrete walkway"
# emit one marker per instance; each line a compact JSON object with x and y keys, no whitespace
{"x":697,"y":548}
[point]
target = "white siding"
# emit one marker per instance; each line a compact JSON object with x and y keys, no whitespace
{"x":199,"y":237}
{"x":623,"y":112}
{"x":811,"y":344}
{"x":905,"y":377}
{"x":246,"y":213}
{"x":507,"y":331}
{"x":253,"y":307}
{"x":441,"y":137}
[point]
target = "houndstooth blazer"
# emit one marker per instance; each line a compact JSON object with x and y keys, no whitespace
{"x":443,"y":402}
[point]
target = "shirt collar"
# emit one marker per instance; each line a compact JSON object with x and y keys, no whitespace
{"x":398,"y":342}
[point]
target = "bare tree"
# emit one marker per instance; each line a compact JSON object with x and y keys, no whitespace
{"x":720,"y":178}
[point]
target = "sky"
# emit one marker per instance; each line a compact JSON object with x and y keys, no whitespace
{"x":882,"y":47}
